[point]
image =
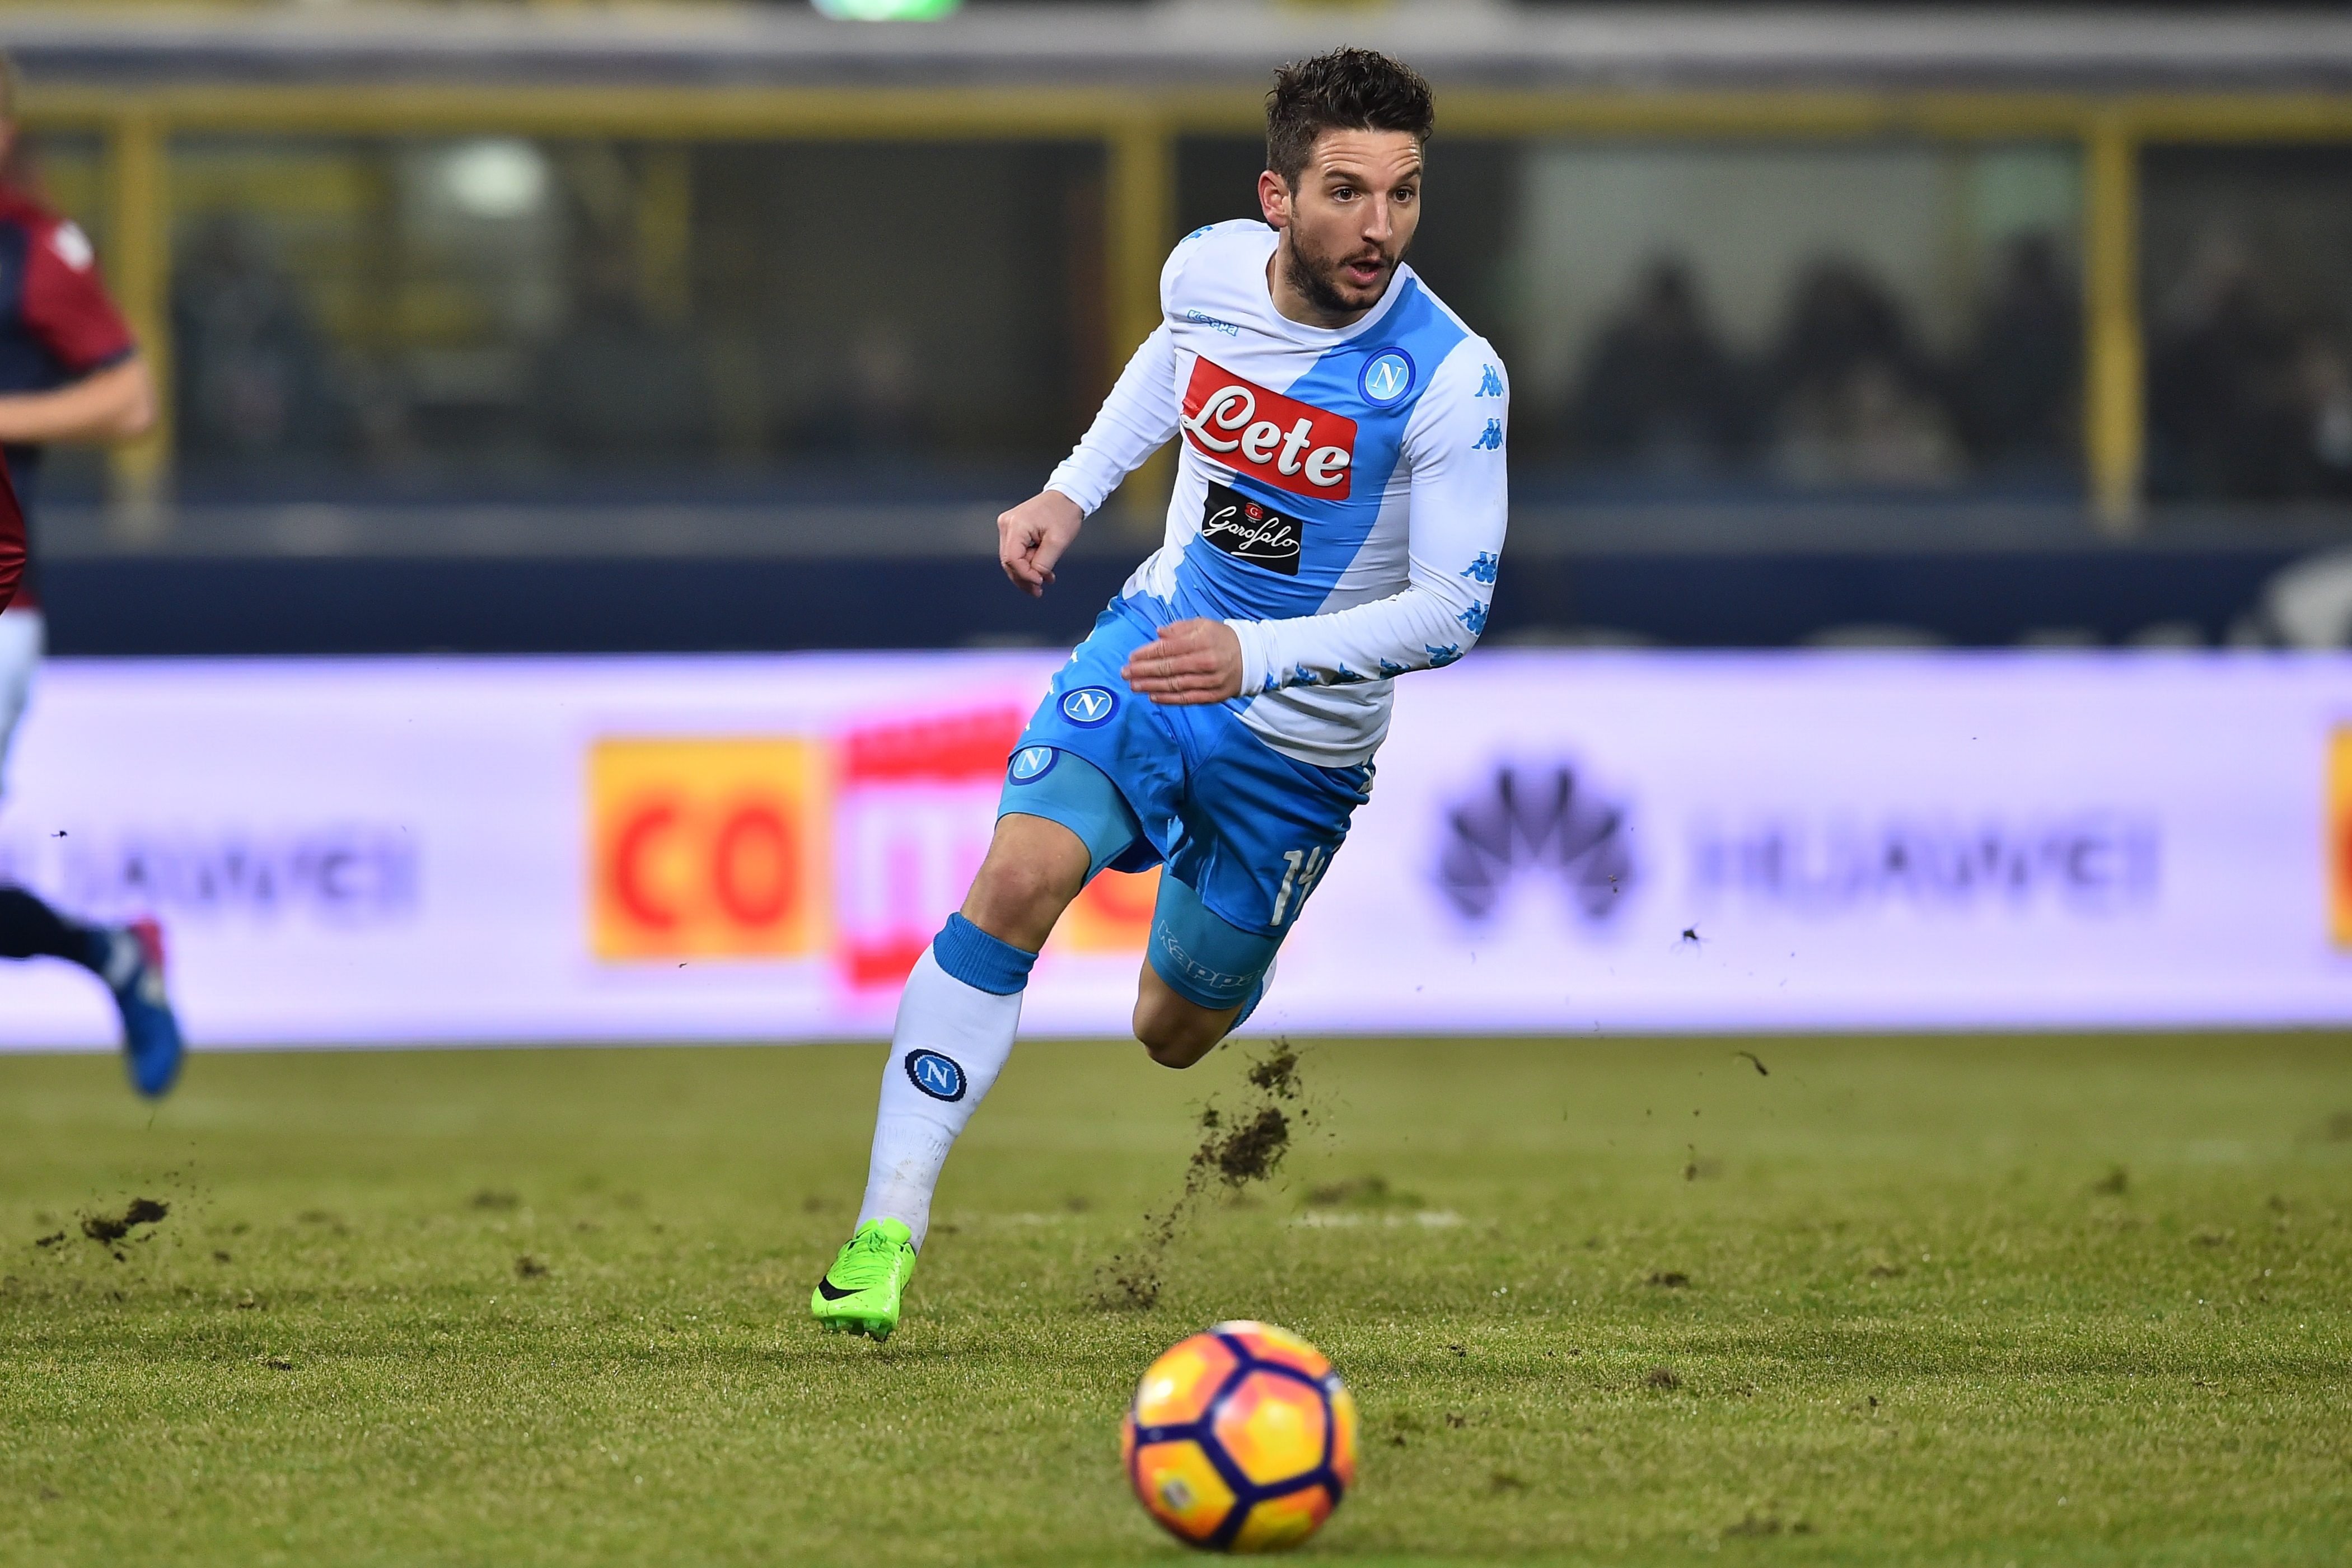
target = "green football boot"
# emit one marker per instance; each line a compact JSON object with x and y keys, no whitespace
{"x":860,"y":1293}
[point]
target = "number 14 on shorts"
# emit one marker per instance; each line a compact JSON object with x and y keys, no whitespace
{"x":1305,"y":868}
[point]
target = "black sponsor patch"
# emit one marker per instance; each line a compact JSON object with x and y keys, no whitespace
{"x":1250,"y":530}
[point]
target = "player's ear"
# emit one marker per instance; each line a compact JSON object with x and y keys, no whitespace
{"x":1274,"y":199}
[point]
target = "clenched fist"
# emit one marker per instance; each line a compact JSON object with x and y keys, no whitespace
{"x":1031,"y":537}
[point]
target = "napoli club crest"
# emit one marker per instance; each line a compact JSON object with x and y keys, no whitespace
{"x":1387,"y":377}
{"x":935,"y":1075}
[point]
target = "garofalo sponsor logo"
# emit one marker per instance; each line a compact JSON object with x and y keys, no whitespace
{"x":1250,"y":530}
{"x":2091,"y":863}
{"x":1539,"y":821}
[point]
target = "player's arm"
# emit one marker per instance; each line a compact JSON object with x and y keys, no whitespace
{"x":1460,"y":504}
{"x":1137,"y":420}
{"x":111,"y":396}
{"x":115,"y":404}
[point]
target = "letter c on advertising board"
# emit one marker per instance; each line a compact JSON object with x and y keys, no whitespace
{"x":630,"y":845}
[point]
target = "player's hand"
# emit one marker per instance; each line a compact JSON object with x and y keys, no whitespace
{"x":1191,"y":661}
{"x":1031,"y":537}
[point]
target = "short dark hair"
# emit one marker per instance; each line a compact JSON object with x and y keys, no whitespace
{"x":1347,"y":90}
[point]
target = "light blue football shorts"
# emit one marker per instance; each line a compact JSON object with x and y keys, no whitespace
{"x":1245,"y":832}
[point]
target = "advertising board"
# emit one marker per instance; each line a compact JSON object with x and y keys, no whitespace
{"x":757,"y":847}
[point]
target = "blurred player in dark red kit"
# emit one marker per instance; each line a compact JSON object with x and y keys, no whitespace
{"x":69,"y":370}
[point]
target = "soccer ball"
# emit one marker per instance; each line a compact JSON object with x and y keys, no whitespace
{"x":1241,"y":1439}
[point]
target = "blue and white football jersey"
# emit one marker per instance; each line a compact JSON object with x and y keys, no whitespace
{"x":1340,"y":499}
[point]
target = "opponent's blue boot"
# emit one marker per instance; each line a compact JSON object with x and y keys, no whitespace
{"x":134,"y":971}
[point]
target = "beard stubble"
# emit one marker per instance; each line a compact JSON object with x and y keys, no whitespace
{"x":1318,"y":280}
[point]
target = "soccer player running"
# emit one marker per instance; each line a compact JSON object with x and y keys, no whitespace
{"x":69,"y":371}
{"x":1337,"y":522}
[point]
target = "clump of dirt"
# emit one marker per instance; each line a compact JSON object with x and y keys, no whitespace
{"x":1235,"y":1152}
{"x":1249,"y":1151}
{"x":1670,"y":1279}
{"x":2115,"y":1184}
{"x":496,"y":1197}
{"x":527,"y":1267}
{"x":1662,"y":1378}
{"x":1276,"y":1073}
{"x":106,"y":1229}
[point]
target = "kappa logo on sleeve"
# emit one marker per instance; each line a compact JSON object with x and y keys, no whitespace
{"x":1251,"y":531}
{"x":1275,"y":440}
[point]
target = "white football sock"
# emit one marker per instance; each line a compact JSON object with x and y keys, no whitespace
{"x":925,"y":1103}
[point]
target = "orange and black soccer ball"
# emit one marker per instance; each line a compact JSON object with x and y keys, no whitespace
{"x":1241,"y":1439}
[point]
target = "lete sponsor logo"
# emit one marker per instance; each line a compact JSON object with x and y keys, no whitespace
{"x":1275,"y":440}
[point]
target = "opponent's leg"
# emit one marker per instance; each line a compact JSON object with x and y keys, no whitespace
{"x":129,"y":958}
{"x":23,"y":635}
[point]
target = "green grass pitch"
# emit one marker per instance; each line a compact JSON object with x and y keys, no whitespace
{"x":1952,"y":1301}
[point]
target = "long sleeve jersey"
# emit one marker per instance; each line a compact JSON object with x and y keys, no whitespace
{"x":57,"y":325}
{"x":1340,"y":497}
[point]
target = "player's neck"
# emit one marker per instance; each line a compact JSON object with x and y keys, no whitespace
{"x":1295,"y":306}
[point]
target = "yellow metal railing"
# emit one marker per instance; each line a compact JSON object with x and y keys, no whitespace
{"x":1139,"y":131}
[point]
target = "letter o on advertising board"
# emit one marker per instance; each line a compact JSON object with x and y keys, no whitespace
{"x":752,"y":868}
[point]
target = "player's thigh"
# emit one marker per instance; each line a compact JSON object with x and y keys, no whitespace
{"x":1260,"y":830}
{"x":1200,"y":957}
{"x":1061,"y":787}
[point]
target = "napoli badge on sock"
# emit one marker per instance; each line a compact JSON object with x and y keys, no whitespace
{"x":936,"y":1075}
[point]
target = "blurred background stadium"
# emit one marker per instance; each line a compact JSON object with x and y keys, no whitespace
{"x":563,"y":327}
{"x":703,"y":329}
